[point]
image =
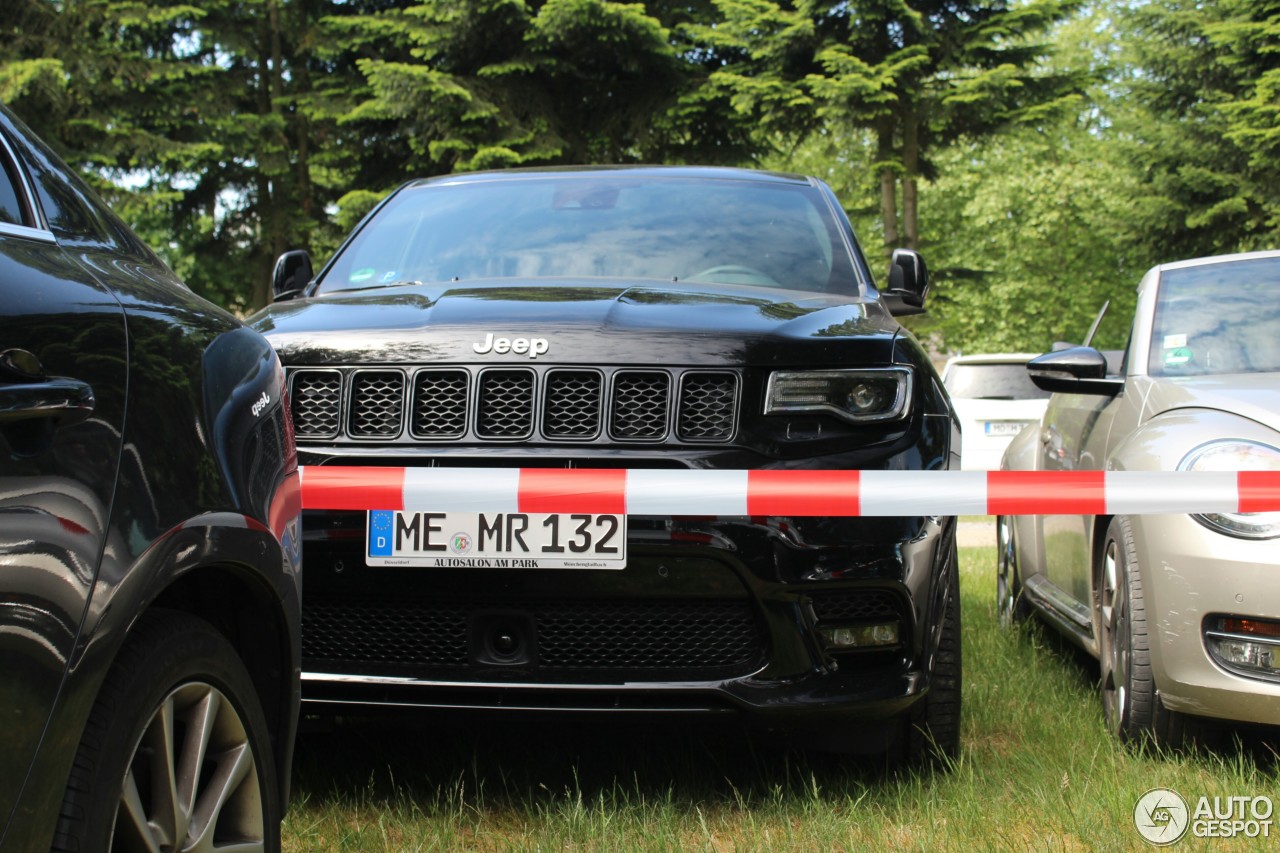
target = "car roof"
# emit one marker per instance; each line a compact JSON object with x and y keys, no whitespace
{"x":993,"y":358}
{"x":1218,"y":259}
{"x":708,"y":173}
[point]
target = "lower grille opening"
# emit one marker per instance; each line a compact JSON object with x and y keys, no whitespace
{"x":574,"y":640}
{"x":858,"y":605}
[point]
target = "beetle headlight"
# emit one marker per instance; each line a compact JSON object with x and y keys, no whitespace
{"x":1236,"y":455}
{"x":857,"y":396}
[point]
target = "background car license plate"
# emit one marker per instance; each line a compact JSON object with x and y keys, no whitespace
{"x":496,"y":540}
{"x":1004,"y":427}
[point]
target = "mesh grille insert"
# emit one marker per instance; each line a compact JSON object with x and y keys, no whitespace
{"x":707,"y":404}
{"x":572,"y":404}
{"x":315,"y":403}
{"x":679,"y":637}
{"x":640,"y":404}
{"x":377,"y":403}
{"x":506,"y":404}
{"x":649,"y":635}
{"x":861,"y":605}
{"x":384,"y":632}
{"x":440,"y":404}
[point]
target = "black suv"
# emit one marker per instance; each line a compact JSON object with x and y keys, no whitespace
{"x":149,"y":550}
{"x":479,"y":330}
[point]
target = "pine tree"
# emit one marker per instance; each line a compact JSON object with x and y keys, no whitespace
{"x":914,"y":77}
{"x":1205,"y":130}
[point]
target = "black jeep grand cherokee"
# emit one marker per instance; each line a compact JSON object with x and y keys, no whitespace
{"x":629,"y":318}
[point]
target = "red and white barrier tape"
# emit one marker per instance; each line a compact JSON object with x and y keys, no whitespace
{"x":789,"y":493}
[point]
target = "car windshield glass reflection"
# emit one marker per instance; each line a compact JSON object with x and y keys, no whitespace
{"x":1218,"y":318}
{"x":730,"y":232}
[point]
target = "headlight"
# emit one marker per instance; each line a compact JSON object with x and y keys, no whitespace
{"x":857,"y":396}
{"x":1236,"y":455}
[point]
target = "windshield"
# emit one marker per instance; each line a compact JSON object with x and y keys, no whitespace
{"x":601,"y":226}
{"x":992,"y":381}
{"x":1217,"y":318}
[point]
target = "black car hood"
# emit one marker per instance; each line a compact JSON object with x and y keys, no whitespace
{"x":581,"y":323}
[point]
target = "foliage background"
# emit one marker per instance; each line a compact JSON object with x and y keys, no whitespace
{"x":1041,"y":153}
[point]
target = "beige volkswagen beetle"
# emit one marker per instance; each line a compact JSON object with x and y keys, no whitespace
{"x":1182,"y":612}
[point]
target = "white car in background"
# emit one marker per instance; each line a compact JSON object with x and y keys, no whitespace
{"x":994,"y":399}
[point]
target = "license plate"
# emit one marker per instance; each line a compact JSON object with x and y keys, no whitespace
{"x":496,"y":540}
{"x":1004,"y":427}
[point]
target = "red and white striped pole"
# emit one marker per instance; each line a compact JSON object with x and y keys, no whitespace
{"x":789,"y":493}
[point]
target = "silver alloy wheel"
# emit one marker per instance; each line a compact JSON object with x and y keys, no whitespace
{"x":1114,"y":628}
{"x":192,"y":783}
{"x":1005,"y":561}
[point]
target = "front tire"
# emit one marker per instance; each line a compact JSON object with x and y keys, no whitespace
{"x":933,"y":726}
{"x":1011,"y":605}
{"x":1130,"y":700}
{"x":176,"y":754}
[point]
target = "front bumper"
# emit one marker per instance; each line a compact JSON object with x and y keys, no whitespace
{"x":1191,"y":576}
{"x":711,"y":615}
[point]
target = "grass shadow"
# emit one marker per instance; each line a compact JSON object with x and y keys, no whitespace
{"x":526,"y":761}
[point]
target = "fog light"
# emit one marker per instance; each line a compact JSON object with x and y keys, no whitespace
{"x":862,"y":636}
{"x":1251,"y":655}
{"x":1246,"y":646}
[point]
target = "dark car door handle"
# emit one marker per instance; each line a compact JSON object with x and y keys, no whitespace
{"x":68,"y":401}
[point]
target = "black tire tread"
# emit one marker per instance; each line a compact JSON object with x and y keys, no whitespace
{"x":933,"y":727}
{"x":157,"y":635}
{"x":1148,"y":720}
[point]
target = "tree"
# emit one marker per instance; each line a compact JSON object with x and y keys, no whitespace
{"x":273,"y":159}
{"x":917,"y":78}
{"x":1031,"y":229}
{"x":478,"y":84}
{"x":200,"y":122}
{"x":1205,"y":127}
{"x":32,"y":74}
{"x":104,"y":82}
{"x":1030,"y":241}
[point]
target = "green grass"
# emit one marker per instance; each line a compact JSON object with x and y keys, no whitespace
{"x":1037,"y":772}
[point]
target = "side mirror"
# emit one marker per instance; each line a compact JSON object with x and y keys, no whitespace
{"x":908,"y":283}
{"x":291,"y":275}
{"x":1078,"y":370}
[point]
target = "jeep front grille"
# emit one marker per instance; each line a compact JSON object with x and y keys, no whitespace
{"x":501,"y":404}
